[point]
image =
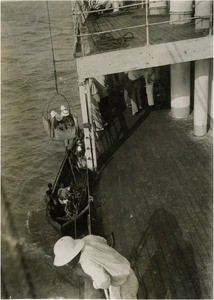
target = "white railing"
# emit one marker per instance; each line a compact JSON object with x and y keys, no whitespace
{"x":80,"y":15}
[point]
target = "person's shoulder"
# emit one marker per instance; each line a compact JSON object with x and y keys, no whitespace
{"x":94,"y":238}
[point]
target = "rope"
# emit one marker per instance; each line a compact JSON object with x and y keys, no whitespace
{"x":55,"y":75}
{"x":46,"y":110}
{"x":89,"y":206}
{"x":108,"y":41}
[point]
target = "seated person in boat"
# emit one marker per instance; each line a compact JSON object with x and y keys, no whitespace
{"x":64,"y":194}
{"x":62,"y":121}
{"x":66,"y":197}
{"x":52,"y":206}
{"x":52,"y":209}
{"x":67,"y":118}
{"x":56,"y":120}
{"x":48,"y":194}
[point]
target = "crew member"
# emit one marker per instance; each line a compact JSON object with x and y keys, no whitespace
{"x":107,"y":268}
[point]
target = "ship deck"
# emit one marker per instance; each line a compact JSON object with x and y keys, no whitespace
{"x":155,"y":195}
{"x":134,"y":37}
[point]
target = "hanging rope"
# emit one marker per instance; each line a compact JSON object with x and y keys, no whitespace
{"x":89,"y":205}
{"x":54,"y":61}
{"x":45,"y":112}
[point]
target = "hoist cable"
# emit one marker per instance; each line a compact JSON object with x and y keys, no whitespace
{"x":89,"y":204}
{"x":55,"y":75}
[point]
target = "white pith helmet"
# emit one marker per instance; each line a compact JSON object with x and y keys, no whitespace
{"x":63,"y":107}
{"x":64,"y":111}
{"x":53,"y":113}
{"x":65,"y":249}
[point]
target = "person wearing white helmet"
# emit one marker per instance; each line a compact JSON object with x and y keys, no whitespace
{"x":56,"y":122}
{"x":64,"y":111}
{"x":70,"y":122}
{"x":56,"y":116}
{"x":107,"y":268}
{"x":67,"y":118}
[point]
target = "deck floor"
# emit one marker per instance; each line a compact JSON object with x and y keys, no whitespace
{"x":155,"y":195}
{"x":120,"y":39}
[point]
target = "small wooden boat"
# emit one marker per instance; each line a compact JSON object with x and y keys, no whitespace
{"x":68,"y":200}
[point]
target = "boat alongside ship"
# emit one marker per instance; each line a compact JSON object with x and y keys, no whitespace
{"x":78,"y":223}
{"x":70,"y":218}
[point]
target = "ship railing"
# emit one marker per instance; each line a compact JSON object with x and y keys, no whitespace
{"x":81,"y":13}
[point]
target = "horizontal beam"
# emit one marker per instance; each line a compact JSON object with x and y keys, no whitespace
{"x":144,"y":57}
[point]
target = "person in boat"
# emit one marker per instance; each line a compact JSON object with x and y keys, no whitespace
{"x":67,"y":199}
{"x":107,"y":268}
{"x":56,"y":122}
{"x":69,"y":122}
{"x":52,"y":208}
{"x":49,"y":197}
{"x":51,"y":203}
{"x":48,"y":193}
{"x":64,"y":194}
{"x":67,"y":118}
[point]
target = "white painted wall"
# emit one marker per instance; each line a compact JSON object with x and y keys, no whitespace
{"x":202,"y":8}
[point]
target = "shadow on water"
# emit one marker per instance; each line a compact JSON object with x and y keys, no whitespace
{"x":164,"y":261}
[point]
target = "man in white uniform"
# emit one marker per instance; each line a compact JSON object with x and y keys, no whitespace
{"x":107,"y":268}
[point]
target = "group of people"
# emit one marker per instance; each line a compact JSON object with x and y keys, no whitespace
{"x":63,"y":121}
{"x":69,"y":199}
{"x":136,"y":88}
{"x":67,"y":203}
{"x":108,"y":269}
{"x":63,"y":125}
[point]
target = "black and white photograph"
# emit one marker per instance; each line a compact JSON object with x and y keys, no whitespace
{"x":107,"y":149}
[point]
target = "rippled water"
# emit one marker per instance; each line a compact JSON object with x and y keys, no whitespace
{"x":29,"y":158}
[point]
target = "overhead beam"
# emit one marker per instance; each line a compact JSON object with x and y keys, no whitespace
{"x":144,"y":57}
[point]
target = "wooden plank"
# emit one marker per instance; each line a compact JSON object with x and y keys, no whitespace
{"x":92,"y":129}
{"x":144,"y":57}
{"x":143,"y":185}
{"x":86,"y":120}
{"x":178,"y":211}
{"x":171,"y":32}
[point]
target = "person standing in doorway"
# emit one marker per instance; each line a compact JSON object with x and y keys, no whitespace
{"x":95,"y":106}
{"x":149,"y":75}
{"x":134,"y":86}
{"x":107,"y":268}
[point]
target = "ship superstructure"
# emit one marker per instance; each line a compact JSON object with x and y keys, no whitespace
{"x":133,"y":35}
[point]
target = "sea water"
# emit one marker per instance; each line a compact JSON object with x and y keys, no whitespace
{"x":30,"y":159}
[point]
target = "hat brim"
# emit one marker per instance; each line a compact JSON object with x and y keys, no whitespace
{"x":63,"y":260}
{"x":65,"y":114}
